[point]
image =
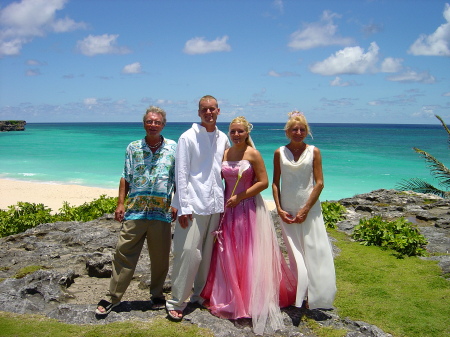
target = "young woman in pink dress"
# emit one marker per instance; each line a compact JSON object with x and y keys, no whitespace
{"x":248,"y":276}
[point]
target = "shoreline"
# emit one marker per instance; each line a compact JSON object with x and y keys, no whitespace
{"x":54,"y":195}
{"x":50,"y":194}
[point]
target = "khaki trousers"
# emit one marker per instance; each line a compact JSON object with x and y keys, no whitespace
{"x":192,"y":252}
{"x":129,"y":246}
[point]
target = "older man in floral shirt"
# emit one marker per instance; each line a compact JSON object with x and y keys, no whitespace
{"x":148,"y":181}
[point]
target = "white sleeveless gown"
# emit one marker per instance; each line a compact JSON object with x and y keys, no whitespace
{"x":310,"y":253}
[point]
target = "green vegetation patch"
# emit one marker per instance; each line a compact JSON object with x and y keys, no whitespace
{"x":38,"y":326}
{"x":323,"y":331}
{"x":404,"y":297}
{"x":28,"y":270}
{"x":399,"y":235}
{"x":333,"y":212}
{"x":18,"y":218}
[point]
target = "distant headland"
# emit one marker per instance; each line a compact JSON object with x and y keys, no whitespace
{"x":12,"y":125}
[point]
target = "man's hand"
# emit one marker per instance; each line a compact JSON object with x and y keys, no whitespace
{"x":174,"y":212}
{"x":183,"y":220}
{"x":119,"y":213}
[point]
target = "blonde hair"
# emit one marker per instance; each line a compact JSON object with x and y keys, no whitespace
{"x":297,"y":117}
{"x":247,"y":126}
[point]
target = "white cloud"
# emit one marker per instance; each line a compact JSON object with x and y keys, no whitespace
{"x":425,"y":111}
{"x":11,"y":47}
{"x":133,"y":68}
{"x":33,"y":62}
{"x":400,"y":100}
{"x":350,"y":60}
{"x":273,"y":73}
{"x":410,"y":76}
{"x":279,"y":5}
{"x":164,"y":102}
{"x":67,"y":25}
{"x":100,"y":44}
{"x":391,"y":65}
{"x":338,"y":102}
{"x":446,"y":94}
{"x":90,"y":101}
{"x":199,"y":45}
{"x":32,"y":72}
{"x":337,"y":82}
{"x":318,"y":34}
{"x":436,"y":44}
{"x":22,"y":21}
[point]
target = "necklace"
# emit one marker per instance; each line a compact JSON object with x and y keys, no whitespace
{"x":299,"y":149}
{"x":156,"y":145}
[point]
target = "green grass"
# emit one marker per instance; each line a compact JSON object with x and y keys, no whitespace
{"x":38,"y":326}
{"x":404,"y":297}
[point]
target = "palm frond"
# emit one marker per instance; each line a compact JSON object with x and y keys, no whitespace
{"x":420,"y":186}
{"x":437,"y":168}
{"x":445,"y":127}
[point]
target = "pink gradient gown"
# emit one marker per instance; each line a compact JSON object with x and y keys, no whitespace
{"x":248,"y":276}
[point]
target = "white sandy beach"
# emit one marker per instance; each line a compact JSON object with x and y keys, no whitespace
{"x":54,"y":195}
{"x":51,"y":195}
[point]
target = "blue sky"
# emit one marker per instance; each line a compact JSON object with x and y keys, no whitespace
{"x":379,"y":61}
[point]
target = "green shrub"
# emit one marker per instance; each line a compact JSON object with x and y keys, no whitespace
{"x":26,"y":215}
{"x":23,"y":216}
{"x":399,"y":235}
{"x":87,"y":211}
{"x":332,"y":213}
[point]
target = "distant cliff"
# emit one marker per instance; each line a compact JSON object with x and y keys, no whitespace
{"x":12,"y":125}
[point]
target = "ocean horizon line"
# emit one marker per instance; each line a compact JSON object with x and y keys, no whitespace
{"x":281,"y":123}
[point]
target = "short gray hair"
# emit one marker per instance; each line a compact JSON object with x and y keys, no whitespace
{"x":157,"y":110}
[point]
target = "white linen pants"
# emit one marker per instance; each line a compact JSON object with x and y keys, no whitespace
{"x":192,"y":250}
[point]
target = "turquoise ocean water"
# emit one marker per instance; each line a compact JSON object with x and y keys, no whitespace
{"x":357,"y":158}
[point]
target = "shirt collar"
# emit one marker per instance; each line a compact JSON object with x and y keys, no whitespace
{"x":199,"y":128}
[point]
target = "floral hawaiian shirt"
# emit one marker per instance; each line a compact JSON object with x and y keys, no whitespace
{"x":151,"y":177}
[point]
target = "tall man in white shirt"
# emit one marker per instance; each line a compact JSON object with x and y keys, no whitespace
{"x":199,"y":199}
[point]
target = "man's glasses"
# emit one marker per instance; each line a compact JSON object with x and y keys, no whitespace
{"x":150,"y":122}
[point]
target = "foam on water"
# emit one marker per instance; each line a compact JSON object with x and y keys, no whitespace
{"x":357,"y":158}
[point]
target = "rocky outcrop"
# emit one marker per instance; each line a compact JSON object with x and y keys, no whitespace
{"x":12,"y":125}
{"x":431,"y":214}
{"x":75,"y":258}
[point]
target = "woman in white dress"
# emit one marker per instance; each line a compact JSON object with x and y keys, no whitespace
{"x":297,"y":184}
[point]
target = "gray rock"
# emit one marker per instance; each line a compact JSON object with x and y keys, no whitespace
{"x":74,"y":253}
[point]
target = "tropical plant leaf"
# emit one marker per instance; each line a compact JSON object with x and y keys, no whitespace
{"x":445,"y":127}
{"x":437,"y":168}
{"x":420,"y":186}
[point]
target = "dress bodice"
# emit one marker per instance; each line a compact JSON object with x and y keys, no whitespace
{"x":230,"y":171}
{"x":297,"y":178}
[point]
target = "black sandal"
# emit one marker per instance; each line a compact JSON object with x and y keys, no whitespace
{"x":108,"y":306}
{"x":157,"y":303}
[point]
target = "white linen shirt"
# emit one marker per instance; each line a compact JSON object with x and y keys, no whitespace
{"x":198,"y":164}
